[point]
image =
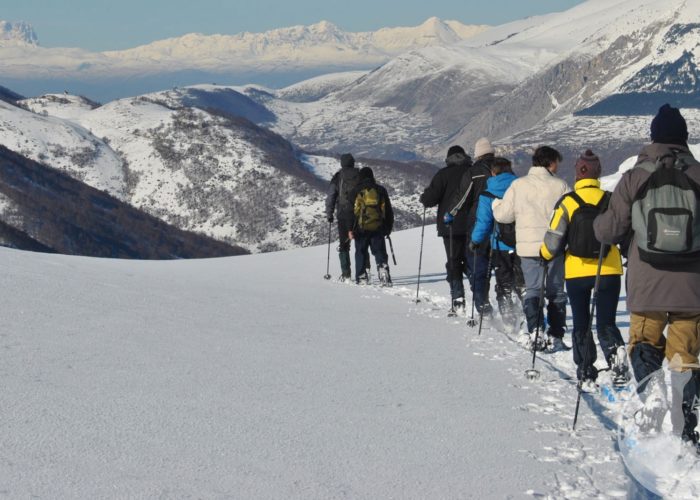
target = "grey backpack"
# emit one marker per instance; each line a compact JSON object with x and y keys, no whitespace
{"x":666,"y":214}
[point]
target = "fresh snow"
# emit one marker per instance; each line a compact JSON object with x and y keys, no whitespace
{"x":63,"y":145}
{"x":253,"y":377}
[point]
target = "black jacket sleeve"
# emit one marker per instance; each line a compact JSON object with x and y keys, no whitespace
{"x":389,"y":214}
{"x":332,"y":196}
{"x":433,"y":194}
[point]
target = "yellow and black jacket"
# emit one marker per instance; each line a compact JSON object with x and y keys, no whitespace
{"x":555,"y":239}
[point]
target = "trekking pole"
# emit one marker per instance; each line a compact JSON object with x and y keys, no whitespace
{"x":328,"y":260}
{"x":589,"y":331}
{"x":471,"y":322}
{"x":488,"y":277}
{"x":391,"y":247}
{"x":532,"y":373}
{"x":420,"y":257}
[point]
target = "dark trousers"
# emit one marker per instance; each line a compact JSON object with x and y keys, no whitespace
{"x":456,"y":265}
{"x":344,"y":227}
{"x":478,"y":274}
{"x":509,"y":275}
{"x":579,"y":292}
{"x":373,"y":241}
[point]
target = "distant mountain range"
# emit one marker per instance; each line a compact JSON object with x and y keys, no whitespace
{"x":279,"y":56}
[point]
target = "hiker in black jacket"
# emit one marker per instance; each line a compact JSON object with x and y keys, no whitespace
{"x":441,"y":190}
{"x":373,"y":221}
{"x":465,"y":201}
{"x":339,"y":200}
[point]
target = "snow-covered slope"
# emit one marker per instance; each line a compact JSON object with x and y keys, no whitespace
{"x":194,"y":158}
{"x":61,"y":144}
{"x":252,"y":377}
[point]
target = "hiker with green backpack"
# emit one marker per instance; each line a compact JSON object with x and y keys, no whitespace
{"x":571,"y":234}
{"x":658,"y":201}
{"x":373,"y":220}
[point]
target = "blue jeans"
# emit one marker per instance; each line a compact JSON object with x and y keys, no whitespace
{"x":534,"y":273}
{"x":609,"y":337}
{"x":478,"y":274}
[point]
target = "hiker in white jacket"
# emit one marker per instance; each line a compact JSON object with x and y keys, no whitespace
{"x":529,"y":202}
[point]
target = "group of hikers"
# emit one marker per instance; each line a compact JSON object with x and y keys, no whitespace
{"x":547,"y":244}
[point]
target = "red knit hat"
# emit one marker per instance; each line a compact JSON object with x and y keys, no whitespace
{"x":588,"y":166}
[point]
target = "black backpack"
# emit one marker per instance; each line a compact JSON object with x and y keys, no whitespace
{"x":666,"y":215}
{"x":505,"y":233}
{"x":580,"y":238}
{"x":348,"y":180}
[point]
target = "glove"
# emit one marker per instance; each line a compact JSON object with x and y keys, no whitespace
{"x":329,"y":218}
{"x":474,"y":246}
{"x":448,"y":218}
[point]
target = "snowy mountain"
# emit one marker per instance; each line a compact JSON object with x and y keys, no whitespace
{"x":48,"y":211}
{"x":185,"y":157}
{"x":279,"y":56}
{"x":17,"y":33}
{"x":542,"y":79}
{"x":253,"y":377}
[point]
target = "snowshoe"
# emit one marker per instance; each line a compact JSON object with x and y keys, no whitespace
{"x":619,"y":367}
{"x":650,"y":418}
{"x":588,"y":386}
{"x":363,"y":279}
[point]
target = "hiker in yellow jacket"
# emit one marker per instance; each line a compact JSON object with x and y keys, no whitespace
{"x":571,"y":231}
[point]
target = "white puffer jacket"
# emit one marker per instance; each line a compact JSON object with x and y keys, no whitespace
{"x":530,"y":201}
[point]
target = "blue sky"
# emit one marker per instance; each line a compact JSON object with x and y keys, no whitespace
{"x":118,"y":24}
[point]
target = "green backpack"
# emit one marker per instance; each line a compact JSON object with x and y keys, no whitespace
{"x":369,"y":209}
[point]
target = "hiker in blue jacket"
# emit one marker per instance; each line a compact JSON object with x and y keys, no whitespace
{"x":505,"y":262}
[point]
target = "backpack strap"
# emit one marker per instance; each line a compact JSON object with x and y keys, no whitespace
{"x":490,"y":195}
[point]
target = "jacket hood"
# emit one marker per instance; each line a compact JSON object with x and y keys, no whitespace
{"x":499,"y":184}
{"x":651,"y":152}
{"x":458,"y":159}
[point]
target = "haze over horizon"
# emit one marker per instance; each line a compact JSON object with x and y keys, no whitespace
{"x":101,"y":25}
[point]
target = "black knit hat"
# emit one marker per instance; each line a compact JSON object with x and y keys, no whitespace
{"x":347,"y":160}
{"x":454,"y":150}
{"x":366,"y":173}
{"x":669,"y":126}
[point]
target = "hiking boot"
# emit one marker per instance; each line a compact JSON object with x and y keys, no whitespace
{"x":344,"y":277}
{"x":556,"y":344}
{"x":539,"y":345}
{"x":588,"y":386}
{"x":363,"y":279}
{"x":525,"y":340}
{"x":384,"y":275}
{"x":458,"y":304}
{"x":619,"y":367}
{"x":486,"y":310}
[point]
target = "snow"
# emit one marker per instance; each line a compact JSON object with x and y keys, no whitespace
{"x":253,"y":377}
{"x":63,"y":145}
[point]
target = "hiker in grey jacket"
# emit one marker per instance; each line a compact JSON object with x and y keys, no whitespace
{"x":529,"y":202}
{"x":659,"y":296}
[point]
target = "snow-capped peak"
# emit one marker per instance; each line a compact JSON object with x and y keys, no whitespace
{"x":17,"y":33}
